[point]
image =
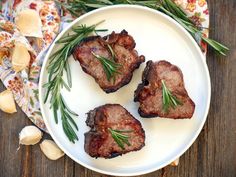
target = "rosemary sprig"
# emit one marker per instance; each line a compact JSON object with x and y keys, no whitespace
{"x":172,"y":10}
{"x":168,"y":99}
{"x":57,"y":65}
{"x":78,"y":7}
{"x":110,"y":67}
{"x":120,"y":138}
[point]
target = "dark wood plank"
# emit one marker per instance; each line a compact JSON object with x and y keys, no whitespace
{"x":11,"y":160}
{"x":212,"y":154}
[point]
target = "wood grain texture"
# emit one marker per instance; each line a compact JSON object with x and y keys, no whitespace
{"x":212,"y":154}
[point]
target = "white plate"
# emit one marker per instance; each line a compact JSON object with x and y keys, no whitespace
{"x":158,"y":37}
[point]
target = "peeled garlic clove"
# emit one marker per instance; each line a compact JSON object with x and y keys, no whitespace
{"x":30,"y":135}
{"x":29,"y":23}
{"x":175,"y":163}
{"x":20,"y":57}
{"x":7,"y":103}
{"x":51,"y":150}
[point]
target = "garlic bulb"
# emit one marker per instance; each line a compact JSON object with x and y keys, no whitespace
{"x":30,"y":135}
{"x":51,"y":150}
{"x":7,"y":103}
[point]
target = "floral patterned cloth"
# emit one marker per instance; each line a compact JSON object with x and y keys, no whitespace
{"x":24,"y":84}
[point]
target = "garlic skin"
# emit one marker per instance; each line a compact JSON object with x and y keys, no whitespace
{"x":175,"y":163}
{"x":30,"y":135}
{"x":51,"y":150}
{"x":7,"y":102}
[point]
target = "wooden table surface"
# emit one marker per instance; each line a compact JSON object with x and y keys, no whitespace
{"x":212,"y":155}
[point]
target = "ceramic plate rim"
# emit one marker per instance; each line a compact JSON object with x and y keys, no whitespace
{"x":184,"y":33}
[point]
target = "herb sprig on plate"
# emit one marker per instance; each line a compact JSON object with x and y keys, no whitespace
{"x":58,"y":63}
{"x":110,"y":67}
{"x":168,"y":99}
{"x":79,"y":7}
{"x":120,"y":138}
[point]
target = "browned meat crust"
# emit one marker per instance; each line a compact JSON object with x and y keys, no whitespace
{"x":149,"y":92}
{"x":99,"y":142}
{"x":123,"y":46}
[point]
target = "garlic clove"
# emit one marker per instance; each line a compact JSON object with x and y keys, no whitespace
{"x":51,"y":150}
{"x":175,"y":163}
{"x":29,"y":23}
{"x":7,"y":103}
{"x":20,"y":57}
{"x":30,"y":135}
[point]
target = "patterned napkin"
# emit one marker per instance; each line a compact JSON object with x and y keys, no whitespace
{"x":24,"y":84}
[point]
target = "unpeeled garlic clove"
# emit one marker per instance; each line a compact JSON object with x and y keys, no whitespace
{"x":29,"y":23}
{"x":51,"y":150}
{"x":20,"y":57}
{"x":175,"y":163}
{"x":7,"y":103}
{"x":30,"y":135}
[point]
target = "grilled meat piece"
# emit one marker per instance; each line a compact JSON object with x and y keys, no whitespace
{"x":123,"y":46}
{"x":149,"y":92}
{"x":99,"y":141}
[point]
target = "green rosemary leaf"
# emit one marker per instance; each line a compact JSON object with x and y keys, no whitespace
{"x":173,"y":8}
{"x":66,"y":39}
{"x":47,"y":85}
{"x":65,"y":85}
{"x":123,"y":131}
{"x":119,"y":138}
{"x":220,"y":48}
{"x":68,"y":73}
{"x":54,"y":55}
{"x":118,"y":141}
{"x":71,"y":130}
{"x":127,"y":142}
{"x":96,"y":5}
{"x":67,"y":131}
{"x":55,"y":108}
{"x":101,"y":30}
{"x":112,"y":52}
{"x":67,"y":107}
{"x":168,"y":99}
{"x":107,"y":70}
{"x":47,"y":93}
{"x":71,"y":120}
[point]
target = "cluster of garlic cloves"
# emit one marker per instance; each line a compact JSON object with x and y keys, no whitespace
{"x":31,"y":135}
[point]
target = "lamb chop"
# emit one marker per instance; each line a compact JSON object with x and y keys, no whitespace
{"x":110,"y":60}
{"x":114,"y":131}
{"x":162,"y":92}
